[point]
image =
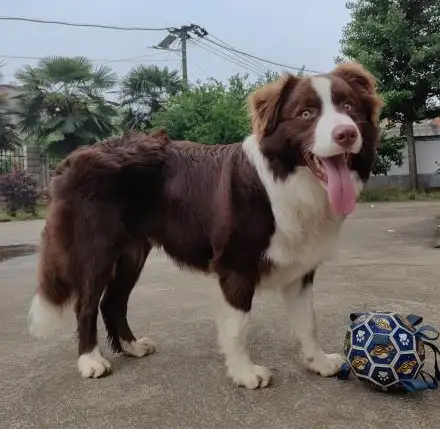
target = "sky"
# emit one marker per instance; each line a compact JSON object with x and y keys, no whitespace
{"x":294,"y":32}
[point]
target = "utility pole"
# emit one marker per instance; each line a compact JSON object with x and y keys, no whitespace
{"x":182,"y":34}
{"x":184,"y":60}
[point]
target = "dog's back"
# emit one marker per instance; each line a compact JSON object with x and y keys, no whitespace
{"x":121,"y":196}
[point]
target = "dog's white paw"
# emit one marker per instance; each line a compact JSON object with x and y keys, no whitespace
{"x":326,"y":365}
{"x":139,"y":348}
{"x":93,"y":364}
{"x":251,"y":377}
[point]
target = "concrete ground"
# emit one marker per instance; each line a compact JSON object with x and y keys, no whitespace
{"x":384,"y":262}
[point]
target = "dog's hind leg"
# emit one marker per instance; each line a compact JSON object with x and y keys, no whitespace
{"x":91,"y":363}
{"x":115,"y":301}
{"x":96,"y":250}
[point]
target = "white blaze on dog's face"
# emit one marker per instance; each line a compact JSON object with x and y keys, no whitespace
{"x":328,"y":123}
{"x":336,"y":136}
{"x":336,"y":132}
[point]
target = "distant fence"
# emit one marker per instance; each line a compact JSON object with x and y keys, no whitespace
{"x":10,"y":160}
{"x":31,"y":159}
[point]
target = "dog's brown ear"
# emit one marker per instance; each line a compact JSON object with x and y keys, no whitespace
{"x":364,"y":84}
{"x":266,"y":103}
{"x":356,"y":75}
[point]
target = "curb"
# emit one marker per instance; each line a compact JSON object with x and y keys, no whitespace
{"x":14,"y":251}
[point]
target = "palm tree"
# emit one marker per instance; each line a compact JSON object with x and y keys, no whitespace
{"x":62,"y":103}
{"x":144,"y":91}
{"x":8,"y":133}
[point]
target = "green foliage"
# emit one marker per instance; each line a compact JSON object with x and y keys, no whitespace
{"x":62,"y":104}
{"x":20,"y":191}
{"x":144,"y":91}
{"x":8,"y":133}
{"x":210,"y":113}
{"x":5,"y":165}
{"x":388,"y":154}
{"x":399,"y":42}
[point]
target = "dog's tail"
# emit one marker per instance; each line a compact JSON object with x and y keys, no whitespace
{"x":45,"y":314}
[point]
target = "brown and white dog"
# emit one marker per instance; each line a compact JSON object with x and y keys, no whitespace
{"x":263,"y":213}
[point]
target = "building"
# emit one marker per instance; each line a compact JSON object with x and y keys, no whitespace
{"x":427,"y":135}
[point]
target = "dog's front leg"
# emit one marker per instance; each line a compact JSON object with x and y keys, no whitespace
{"x":233,"y":319}
{"x":298,"y":299}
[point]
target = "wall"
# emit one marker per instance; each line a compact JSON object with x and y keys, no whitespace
{"x":427,"y":153}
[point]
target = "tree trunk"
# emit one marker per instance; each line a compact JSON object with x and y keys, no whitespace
{"x":412,"y":157}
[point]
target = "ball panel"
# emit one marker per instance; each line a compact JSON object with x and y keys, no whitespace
{"x":381,"y":349}
{"x":404,"y":340}
{"x":406,"y":366}
{"x":383,"y":376}
{"x":359,"y":362}
{"x":360,"y":336}
{"x":361,"y":319}
{"x":382,"y":323}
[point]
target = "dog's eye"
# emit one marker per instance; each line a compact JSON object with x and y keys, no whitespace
{"x":306,"y":114}
{"x":348,"y":107}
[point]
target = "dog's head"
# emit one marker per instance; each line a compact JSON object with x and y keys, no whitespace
{"x":328,"y":123}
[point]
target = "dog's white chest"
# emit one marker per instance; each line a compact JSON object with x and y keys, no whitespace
{"x":305,"y":228}
{"x":305,"y":231}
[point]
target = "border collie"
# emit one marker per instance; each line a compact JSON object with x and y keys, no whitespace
{"x":263,"y":213}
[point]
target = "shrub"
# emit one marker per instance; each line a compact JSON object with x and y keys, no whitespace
{"x":211,"y":112}
{"x":19,"y":189}
{"x":5,"y":165}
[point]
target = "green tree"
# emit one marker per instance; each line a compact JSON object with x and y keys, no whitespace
{"x":210,"y":113}
{"x":62,"y":104}
{"x":399,"y":42}
{"x":144,"y":91}
{"x":8,"y":132}
{"x":389,"y":153}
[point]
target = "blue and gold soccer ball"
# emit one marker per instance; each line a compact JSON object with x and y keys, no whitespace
{"x":388,"y":350}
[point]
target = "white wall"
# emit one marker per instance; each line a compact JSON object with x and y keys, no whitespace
{"x":427,"y":152}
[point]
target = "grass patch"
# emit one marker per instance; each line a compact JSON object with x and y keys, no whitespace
{"x":394,"y":195}
{"x":5,"y":217}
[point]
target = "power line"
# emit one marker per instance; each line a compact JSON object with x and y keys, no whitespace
{"x":250,"y":60}
{"x":78,"y":24}
{"x":102,"y":60}
{"x":259,"y":69}
{"x":226,"y":57}
{"x":229,"y":48}
{"x":256,"y":67}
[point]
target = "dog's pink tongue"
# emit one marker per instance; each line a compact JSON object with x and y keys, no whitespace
{"x":341,"y":193}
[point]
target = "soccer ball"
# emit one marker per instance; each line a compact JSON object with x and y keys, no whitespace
{"x":384,"y":349}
